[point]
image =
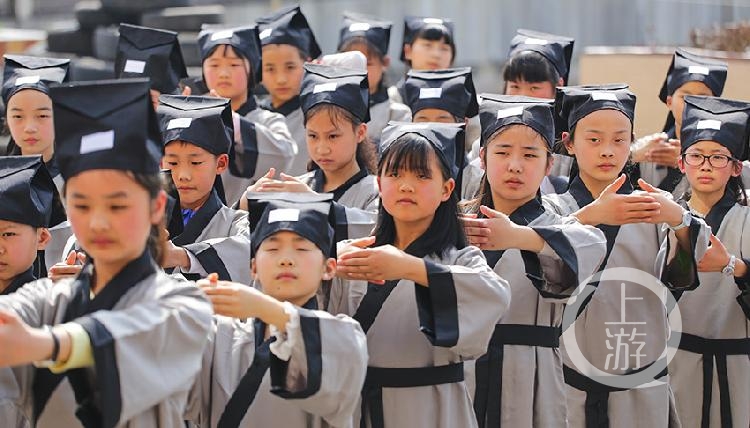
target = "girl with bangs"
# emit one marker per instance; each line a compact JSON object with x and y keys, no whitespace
{"x":542,"y":255}
{"x":426,"y":300}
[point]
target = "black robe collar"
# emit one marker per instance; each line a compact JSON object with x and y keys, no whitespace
{"x":319,"y":180}
{"x":194,"y":228}
{"x":250,"y":105}
{"x":286,"y":109}
{"x":19,"y":281}
{"x":380,"y":95}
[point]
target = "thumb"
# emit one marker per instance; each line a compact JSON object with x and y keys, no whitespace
{"x":647,"y":187}
{"x":271,"y":172}
{"x":286,"y":177}
{"x":71,"y":259}
{"x":7,"y":317}
{"x":363,"y":242}
{"x":489,"y":212}
{"x":213,"y":93}
{"x":187,"y":91}
{"x":82,"y":257}
{"x":715,"y":241}
{"x":614,"y":186}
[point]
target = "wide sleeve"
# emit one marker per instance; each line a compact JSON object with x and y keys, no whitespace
{"x":32,"y":301}
{"x":572,"y":252}
{"x":324,"y":367}
{"x":148,"y":351}
{"x":461,"y":303}
{"x":679,"y":266}
{"x":272,"y":141}
{"x":228,"y":256}
{"x":398,"y":112}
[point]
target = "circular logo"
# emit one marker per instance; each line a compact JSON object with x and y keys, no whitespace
{"x":639,"y":378}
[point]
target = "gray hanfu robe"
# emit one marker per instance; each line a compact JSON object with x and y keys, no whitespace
{"x":217,"y":239}
{"x":418,"y":338}
{"x":710,"y":372}
{"x":644,"y":247}
{"x":148,"y":332}
{"x":295,"y":122}
{"x":519,"y":382}
{"x":382,"y":111}
{"x":316,"y":387}
{"x":264,"y":142}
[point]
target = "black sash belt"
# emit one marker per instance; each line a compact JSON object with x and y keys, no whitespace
{"x":597,"y":394}
{"x":489,"y":367}
{"x":719,"y":349}
{"x":381,"y":377}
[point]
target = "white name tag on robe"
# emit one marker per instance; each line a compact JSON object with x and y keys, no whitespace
{"x":425,"y":93}
{"x":698,"y":69}
{"x":283,"y":214}
{"x":508,"y":112}
{"x":27,"y":80}
{"x":135,"y":66}
{"x":359,"y":26}
{"x":181,"y":122}
{"x":436,"y":21}
{"x":223,"y":34}
{"x":324,"y":87}
{"x":97,"y":141}
{"x":533,"y":41}
{"x":604,"y":96}
{"x":265,"y":33}
{"x":709,"y":124}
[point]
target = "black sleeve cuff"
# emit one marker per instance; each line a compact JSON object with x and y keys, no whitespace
{"x":310,"y":328}
{"x":109,"y":401}
{"x":437,"y":306}
{"x":681,"y":274}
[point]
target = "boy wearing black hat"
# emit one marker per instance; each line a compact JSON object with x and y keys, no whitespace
{"x":205,"y":235}
{"x":26,"y":190}
{"x":372,"y":37}
{"x":288,"y":364}
{"x":288,"y":42}
{"x":657,"y":154}
{"x":231,"y":61}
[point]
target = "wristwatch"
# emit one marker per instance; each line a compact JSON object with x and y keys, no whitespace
{"x":686,"y":219}
{"x":729,"y":268}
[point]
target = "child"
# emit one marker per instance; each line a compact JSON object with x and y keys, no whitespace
{"x":127,"y":338}
{"x":432,"y":301}
{"x":647,"y":231}
{"x":372,"y":37}
{"x":428,"y":45}
{"x":27,"y":190}
{"x":288,"y":42}
{"x":715,"y":316}
{"x":657,"y":154}
{"x":207,"y":235}
{"x":231,"y":69}
{"x":29,"y":118}
{"x":537,"y":64}
{"x":288,"y":364}
{"x":541,"y":255}
{"x":152,"y":53}
{"x":446,"y":96}
{"x":335,"y":104}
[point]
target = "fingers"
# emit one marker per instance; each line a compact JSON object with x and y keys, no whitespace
{"x":82,"y":256}
{"x":271,"y":172}
{"x":489,"y":212}
{"x":7,"y":317}
{"x":71,"y":259}
{"x":186,"y":91}
{"x":647,"y":187}
{"x":363,"y":242}
{"x":615,"y":185}
{"x":213,"y":93}
{"x":286,"y":177}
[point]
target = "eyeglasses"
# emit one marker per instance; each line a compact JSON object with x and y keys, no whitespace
{"x":716,"y":161}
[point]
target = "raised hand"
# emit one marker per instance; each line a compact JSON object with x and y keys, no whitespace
{"x":613,"y":208}
{"x":68,"y":269}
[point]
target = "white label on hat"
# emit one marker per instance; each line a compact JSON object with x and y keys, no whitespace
{"x":283,"y":214}
{"x":359,"y":26}
{"x":709,"y":124}
{"x":182,"y":122}
{"x":604,"y":96}
{"x":430,"y":93}
{"x":265,"y":33}
{"x":324,"y":87}
{"x":698,"y":69}
{"x":223,"y":34}
{"x":533,"y":41}
{"x":97,"y":141}
{"x":27,"y":80}
{"x":508,"y":112}
{"x":134,"y":66}
{"x":437,"y":21}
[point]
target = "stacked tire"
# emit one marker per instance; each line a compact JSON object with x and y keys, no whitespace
{"x":93,"y":45}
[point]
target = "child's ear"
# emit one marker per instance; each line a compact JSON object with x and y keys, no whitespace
{"x":482,"y":158}
{"x":253,"y":270}
{"x":43,"y":237}
{"x":737,"y":168}
{"x":681,"y":165}
{"x":222,"y":163}
{"x":407,"y":51}
{"x":386,"y":61}
{"x":159,"y":204}
{"x":330,"y":269}
{"x":567,"y":142}
{"x":668,"y":102}
{"x":560,"y":82}
{"x":361,"y":132}
{"x":448,"y":188}
{"x":550,"y":162}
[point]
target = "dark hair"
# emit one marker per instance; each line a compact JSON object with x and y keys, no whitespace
{"x":412,"y":152}
{"x":304,"y":56}
{"x":152,"y":183}
{"x":350,"y":43}
{"x":735,"y":186}
{"x":436,"y":34}
{"x":484,"y":197}
{"x":230,"y":48}
{"x":530,"y":66}
{"x":365,"y":151}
